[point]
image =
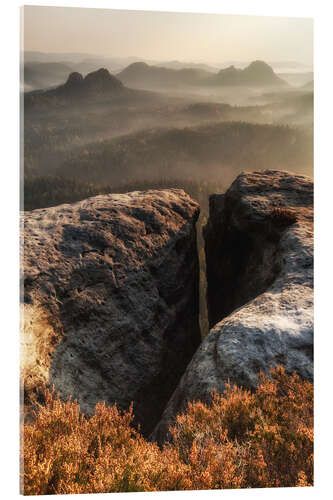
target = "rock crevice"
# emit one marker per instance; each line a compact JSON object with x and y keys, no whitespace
{"x":259,"y":254}
{"x":111,"y":299}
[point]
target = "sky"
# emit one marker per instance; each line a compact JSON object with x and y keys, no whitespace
{"x":162,"y":36}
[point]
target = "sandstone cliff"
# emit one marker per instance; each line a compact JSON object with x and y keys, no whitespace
{"x":259,"y":250}
{"x":110,"y":306}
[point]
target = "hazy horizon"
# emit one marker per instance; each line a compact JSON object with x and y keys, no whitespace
{"x":162,"y":36}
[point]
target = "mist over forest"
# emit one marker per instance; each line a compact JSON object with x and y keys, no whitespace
{"x":94,"y":126}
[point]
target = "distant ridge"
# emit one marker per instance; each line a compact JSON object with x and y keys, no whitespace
{"x":141,"y":74}
{"x":186,"y":65}
{"x":257,"y":73}
{"x":44,"y":75}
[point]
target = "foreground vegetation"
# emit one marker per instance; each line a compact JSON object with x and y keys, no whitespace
{"x":240,"y":440}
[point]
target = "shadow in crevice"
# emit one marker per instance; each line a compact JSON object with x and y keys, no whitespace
{"x":241,"y":263}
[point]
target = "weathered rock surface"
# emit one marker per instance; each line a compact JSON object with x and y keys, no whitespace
{"x":260,"y":287}
{"x":110,"y":309}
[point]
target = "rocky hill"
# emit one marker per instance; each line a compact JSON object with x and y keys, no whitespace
{"x":95,"y":85}
{"x":256,"y":74}
{"x":141,"y":74}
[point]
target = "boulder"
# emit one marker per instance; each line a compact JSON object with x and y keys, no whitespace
{"x":96,"y":82}
{"x":110,"y":305}
{"x":259,"y":252}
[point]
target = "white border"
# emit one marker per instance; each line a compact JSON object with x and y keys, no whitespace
{"x":322,"y":12}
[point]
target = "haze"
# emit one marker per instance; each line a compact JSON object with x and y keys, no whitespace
{"x":210,"y":38}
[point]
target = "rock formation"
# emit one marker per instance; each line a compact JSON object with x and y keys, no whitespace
{"x":259,"y":251}
{"x":257,"y":73}
{"x":110,"y":306}
{"x":96,"y":83}
{"x":95,"y":86}
{"x":74,"y":80}
{"x":101,"y":80}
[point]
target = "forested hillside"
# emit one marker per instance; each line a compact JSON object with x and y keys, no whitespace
{"x":218,"y":150}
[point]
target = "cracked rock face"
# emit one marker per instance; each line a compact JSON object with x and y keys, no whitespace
{"x":110,"y":306}
{"x":259,"y":250}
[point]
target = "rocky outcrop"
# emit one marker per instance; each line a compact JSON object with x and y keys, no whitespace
{"x":110,"y":306}
{"x":256,"y":74}
{"x":259,"y":250}
{"x":95,"y":86}
{"x":95,"y":83}
{"x":74,"y":80}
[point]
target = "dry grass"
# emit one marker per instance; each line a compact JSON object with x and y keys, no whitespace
{"x":241,"y":440}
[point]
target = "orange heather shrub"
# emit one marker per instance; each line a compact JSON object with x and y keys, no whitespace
{"x":263,"y":439}
{"x":241,"y":440}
